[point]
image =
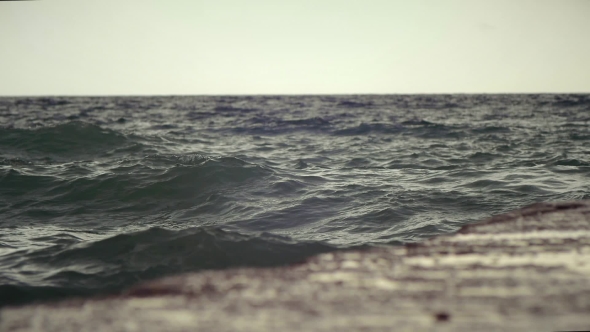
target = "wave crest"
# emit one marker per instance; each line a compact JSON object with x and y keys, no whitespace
{"x":72,"y":139}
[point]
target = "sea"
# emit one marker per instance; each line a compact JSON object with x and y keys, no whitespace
{"x":100,"y":193}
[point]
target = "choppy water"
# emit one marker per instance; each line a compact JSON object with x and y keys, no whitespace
{"x":97,"y":194}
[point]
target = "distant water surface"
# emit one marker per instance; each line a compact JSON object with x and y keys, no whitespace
{"x":97,"y":194}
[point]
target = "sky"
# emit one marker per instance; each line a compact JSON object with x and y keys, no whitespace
{"x":223,"y":47}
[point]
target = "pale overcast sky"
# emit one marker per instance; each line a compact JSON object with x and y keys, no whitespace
{"x":90,"y":47}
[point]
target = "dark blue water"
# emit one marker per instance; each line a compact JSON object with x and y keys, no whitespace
{"x":97,"y":194}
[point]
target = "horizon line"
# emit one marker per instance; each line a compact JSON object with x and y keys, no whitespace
{"x":290,"y":94}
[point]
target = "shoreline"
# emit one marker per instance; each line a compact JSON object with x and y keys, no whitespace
{"x":528,"y":269}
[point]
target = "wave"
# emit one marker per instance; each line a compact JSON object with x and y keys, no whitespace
{"x":71,"y":139}
{"x":259,"y":125}
{"x":417,"y":128}
{"x":232,"y":109}
{"x":570,"y":101}
{"x":571,"y":162}
{"x":366,"y":128}
{"x":150,"y":183}
{"x":355,"y":104}
{"x":115,"y":263}
{"x":42,"y":101}
{"x":490,"y":130}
